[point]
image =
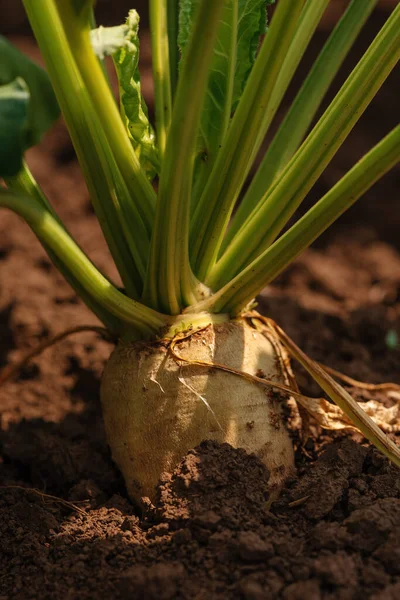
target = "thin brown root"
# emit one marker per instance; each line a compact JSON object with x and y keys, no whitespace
{"x":298,"y":502}
{"x":44,"y":496}
{"x":362,"y":421}
{"x":327,"y":415}
{"x":253,"y":378}
{"x":371,"y":387}
{"x":11,"y":370}
{"x":203,"y":399}
{"x":345,"y":413}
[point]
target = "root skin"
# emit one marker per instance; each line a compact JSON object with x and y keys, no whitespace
{"x":156,"y":407}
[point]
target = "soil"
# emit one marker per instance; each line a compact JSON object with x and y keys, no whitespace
{"x":67,"y":527}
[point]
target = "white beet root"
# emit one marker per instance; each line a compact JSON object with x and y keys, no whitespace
{"x":155,"y":409}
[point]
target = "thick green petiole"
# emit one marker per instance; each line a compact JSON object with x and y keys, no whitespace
{"x":234,"y":159}
{"x":267,"y":220}
{"x":299,"y":117}
{"x":161,"y":70}
{"x":24,"y":183}
{"x":173,"y":27}
{"x":237,"y":294}
{"x":86,"y":133}
{"x":110,"y":166}
{"x":78,"y":35}
{"x":143,"y":319}
{"x":170,"y":283}
{"x":306,"y":26}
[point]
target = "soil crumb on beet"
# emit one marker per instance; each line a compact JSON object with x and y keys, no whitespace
{"x":333,"y":534}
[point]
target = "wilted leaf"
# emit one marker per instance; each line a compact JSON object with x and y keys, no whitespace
{"x":327,"y":415}
{"x":330,"y":416}
{"x":356,"y":414}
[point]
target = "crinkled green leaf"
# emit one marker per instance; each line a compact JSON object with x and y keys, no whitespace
{"x":252,"y":24}
{"x":218,"y":101}
{"x":14,"y":103}
{"x":242,"y":24}
{"x":122,"y":44}
{"x":35,"y":108}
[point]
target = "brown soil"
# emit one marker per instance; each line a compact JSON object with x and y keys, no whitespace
{"x":334,"y":534}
